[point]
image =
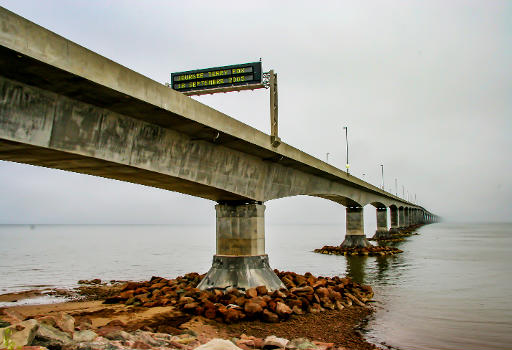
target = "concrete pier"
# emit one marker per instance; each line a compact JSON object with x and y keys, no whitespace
{"x":407,"y":217}
{"x":355,"y":237}
{"x":382,"y":224}
{"x":240,"y":259}
{"x":393,"y":215}
{"x":401,"y":218}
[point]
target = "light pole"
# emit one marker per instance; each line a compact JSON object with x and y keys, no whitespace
{"x":346,"y":139}
{"x":396,"y":187}
{"x":364,"y":174}
{"x":327,"y":157}
{"x":382,"y":172}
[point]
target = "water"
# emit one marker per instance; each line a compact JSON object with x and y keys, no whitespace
{"x":450,"y":289}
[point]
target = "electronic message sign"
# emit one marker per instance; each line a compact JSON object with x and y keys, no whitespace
{"x":218,"y":77}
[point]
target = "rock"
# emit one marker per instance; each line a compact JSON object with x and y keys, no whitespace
{"x":301,"y":344}
{"x":22,"y":334}
{"x":262,"y":290}
{"x":273,"y":342}
{"x":218,"y":344}
{"x":15,"y":315}
{"x":252,"y":308}
{"x":84,"y":336}
{"x":51,"y":337}
{"x":233,"y":315}
{"x":297,"y":310}
{"x":140,"y":345}
{"x":283,"y":310}
{"x":251,"y":293}
{"x":65,"y":322}
{"x":83,"y":323}
{"x":49,"y":320}
{"x":269,"y":316}
{"x":117,"y":334}
{"x":323,"y":346}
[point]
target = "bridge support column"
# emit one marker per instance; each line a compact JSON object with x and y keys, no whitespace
{"x":401,"y":217}
{"x":382,"y":224}
{"x":355,"y":237}
{"x":240,"y":260}
{"x":393,"y":215}
{"x":407,"y":221}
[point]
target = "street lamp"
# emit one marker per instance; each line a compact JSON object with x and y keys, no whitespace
{"x":327,"y":157}
{"x":382,"y":172}
{"x":396,"y":187}
{"x":346,"y":139}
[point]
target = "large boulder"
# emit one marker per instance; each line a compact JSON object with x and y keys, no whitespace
{"x":21,"y":334}
{"x":51,"y":337}
{"x":218,"y":344}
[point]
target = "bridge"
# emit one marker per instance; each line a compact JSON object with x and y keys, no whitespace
{"x":63,"y":106}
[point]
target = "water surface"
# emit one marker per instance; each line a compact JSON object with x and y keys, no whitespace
{"x":450,"y":289}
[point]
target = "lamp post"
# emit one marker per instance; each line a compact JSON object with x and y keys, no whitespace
{"x":346,"y":139}
{"x":382,"y":173}
{"x":327,"y":157}
{"x":396,"y":187}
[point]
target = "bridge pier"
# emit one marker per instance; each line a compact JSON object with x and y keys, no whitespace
{"x":407,"y":217}
{"x":240,"y":260}
{"x":393,"y":215}
{"x":355,"y":237}
{"x":401,"y":218}
{"x":382,"y":224}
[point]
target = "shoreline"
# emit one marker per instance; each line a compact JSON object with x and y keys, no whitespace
{"x":333,"y":328}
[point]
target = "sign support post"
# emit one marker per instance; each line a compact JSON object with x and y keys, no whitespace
{"x":274,"y":138}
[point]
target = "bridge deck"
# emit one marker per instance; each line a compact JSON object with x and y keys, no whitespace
{"x":35,"y":56}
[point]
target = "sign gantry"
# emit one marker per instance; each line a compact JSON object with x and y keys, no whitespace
{"x":246,"y":76}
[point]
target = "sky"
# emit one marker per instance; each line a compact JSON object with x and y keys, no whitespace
{"x":424,"y":87}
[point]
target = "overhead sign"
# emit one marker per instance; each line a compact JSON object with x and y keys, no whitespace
{"x":218,"y":77}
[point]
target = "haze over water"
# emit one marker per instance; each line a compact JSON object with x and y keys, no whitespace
{"x":450,"y":289}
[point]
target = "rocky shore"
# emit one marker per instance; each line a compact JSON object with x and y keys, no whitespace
{"x":367,"y":251}
{"x":304,"y":294}
{"x":314,"y":313}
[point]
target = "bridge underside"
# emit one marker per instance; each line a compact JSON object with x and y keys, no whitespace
{"x":50,"y":158}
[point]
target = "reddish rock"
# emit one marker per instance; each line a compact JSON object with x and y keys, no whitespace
{"x":302,"y":290}
{"x":127,"y":294}
{"x":140,"y":291}
{"x":190,"y":306}
{"x":233,"y":315}
{"x":241,"y":300}
{"x":297,"y":310}
{"x":130,"y":286}
{"x":252,"y":308}
{"x":158,"y":285}
{"x":322,"y":292}
{"x":140,"y":345}
{"x":283,"y":310}
{"x":210,"y":313}
{"x":269,"y":316}
{"x":251,"y":293}
{"x":262,"y":290}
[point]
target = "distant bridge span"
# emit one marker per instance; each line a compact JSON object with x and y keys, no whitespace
{"x":63,"y":106}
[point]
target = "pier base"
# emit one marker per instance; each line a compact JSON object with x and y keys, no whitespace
{"x":355,"y":237}
{"x":240,"y":261}
{"x":241,"y":272}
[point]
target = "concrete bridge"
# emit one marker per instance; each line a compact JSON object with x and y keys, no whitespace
{"x":63,"y":106}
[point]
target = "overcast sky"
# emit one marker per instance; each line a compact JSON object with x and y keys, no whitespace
{"x":425,"y":88}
